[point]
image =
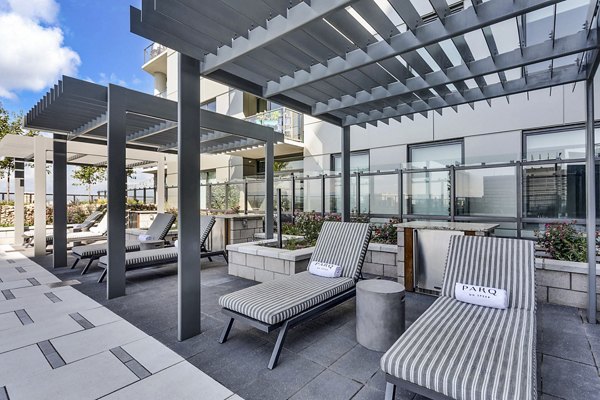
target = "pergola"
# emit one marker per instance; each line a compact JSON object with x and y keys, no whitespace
{"x":121,"y":121}
{"x":358,"y":62}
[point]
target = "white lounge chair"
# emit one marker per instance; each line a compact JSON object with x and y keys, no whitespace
{"x":85,"y":226}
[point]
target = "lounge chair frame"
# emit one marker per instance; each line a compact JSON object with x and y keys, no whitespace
{"x":285,"y":325}
{"x":155,"y":263}
{"x":393,"y":382}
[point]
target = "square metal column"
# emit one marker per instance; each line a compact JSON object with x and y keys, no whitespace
{"x":19,"y":201}
{"x":269,"y":190}
{"x":116,"y":192}
{"x":39,"y":214}
{"x":346,"y":174}
{"x":59,"y":201}
{"x":188,"y":138}
{"x":590,"y":177}
{"x":160,"y":186}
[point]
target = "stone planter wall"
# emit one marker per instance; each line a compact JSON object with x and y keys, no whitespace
{"x":564,"y":282}
{"x":260,"y":263}
{"x":381,"y":260}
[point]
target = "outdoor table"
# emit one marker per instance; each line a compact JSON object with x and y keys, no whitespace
{"x":152,"y":244}
{"x":379,"y":313}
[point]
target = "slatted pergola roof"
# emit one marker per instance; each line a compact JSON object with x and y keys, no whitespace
{"x":79,"y":111}
{"x":362,"y":61}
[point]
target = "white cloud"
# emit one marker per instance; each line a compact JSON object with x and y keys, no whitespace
{"x":36,"y":10}
{"x":33,"y":56}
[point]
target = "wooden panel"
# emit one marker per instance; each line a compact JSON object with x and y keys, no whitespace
{"x":408,"y":260}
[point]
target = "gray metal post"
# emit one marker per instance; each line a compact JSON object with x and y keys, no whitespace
{"x":400,"y":193}
{"x":59,"y":200}
{"x":519,"y":188}
{"x":117,"y":186}
{"x":19,"y":201}
{"x":358,"y":194}
{"x":279,"y":227}
{"x":188,"y":139}
{"x":452,"y":193}
{"x":293,"y":202}
{"x":269,"y":183}
{"x":346,"y":174}
{"x":590,"y":176}
{"x":323,"y":195}
{"x":245,"y":197}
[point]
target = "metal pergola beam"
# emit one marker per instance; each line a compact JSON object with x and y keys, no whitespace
{"x":536,"y":81}
{"x":544,"y":51}
{"x":465,"y":21}
{"x":298,"y":16}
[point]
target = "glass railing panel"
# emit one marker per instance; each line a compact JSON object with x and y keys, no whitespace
{"x":487,"y":191}
{"x":382,"y":194}
{"x":427,"y":193}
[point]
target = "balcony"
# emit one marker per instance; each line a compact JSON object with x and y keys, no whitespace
{"x":152,"y":51}
{"x":284,"y":120}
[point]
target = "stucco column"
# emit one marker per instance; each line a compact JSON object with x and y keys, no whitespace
{"x":39,"y":191}
{"x":19,"y":202}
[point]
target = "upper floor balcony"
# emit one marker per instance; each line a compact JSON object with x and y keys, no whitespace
{"x":152,"y":51}
{"x":284,"y":120}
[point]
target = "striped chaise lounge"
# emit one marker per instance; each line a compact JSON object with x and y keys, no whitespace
{"x":158,"y":229}
{"x":85,"y":226}
{"x":165,"y":255}
{"x":286,"y":302}
{"x":457,"y":350}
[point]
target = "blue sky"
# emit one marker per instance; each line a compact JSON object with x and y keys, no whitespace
{"x":87,"y":39}
{"x":98,"y":32}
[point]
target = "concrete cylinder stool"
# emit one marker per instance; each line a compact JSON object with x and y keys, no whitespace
{"x":379,"y":313}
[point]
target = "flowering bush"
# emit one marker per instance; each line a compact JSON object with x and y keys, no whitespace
{"x":563,"y":242}
{"x":309,"y":225}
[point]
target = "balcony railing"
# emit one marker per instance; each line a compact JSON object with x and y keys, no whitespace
{"x":284,"y":120}
{"x":153,"y":51}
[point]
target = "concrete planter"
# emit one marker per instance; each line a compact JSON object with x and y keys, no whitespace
{"x":564,"y":282}
{"x":260,"y":263}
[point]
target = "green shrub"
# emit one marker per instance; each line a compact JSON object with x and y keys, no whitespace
{"x":563,"y":242}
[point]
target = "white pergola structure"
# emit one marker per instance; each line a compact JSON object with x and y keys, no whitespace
{"x":358,"y":62}
{"x":124,"y":122}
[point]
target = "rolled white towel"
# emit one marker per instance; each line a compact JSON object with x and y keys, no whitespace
{"x":481,"y":295}
{"x":176,"y":243}
{"x":325,"y":269}
{"x":145,"y":238}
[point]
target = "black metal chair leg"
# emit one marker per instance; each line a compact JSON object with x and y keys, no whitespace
{"x":75,"y":263}
{"x":278,"y":345}
{"x":102,"y":276}
{"x":210,"y":259}
{"x":390,"y":391}
{"x":87,"y":266}
{"x":225,"y":257}
{"x":226,"y":331}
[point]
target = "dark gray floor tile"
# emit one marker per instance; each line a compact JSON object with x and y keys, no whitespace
{"x":328,"y":385}
{"x":570,"y":346}
{"x":359,"y":364}
{"x":329,"y":349}
{"x":569,"y":380}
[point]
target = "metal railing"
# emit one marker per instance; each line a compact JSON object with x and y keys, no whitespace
{"x":30,"y":196}
{"x":152,"y":51}
{"x":284,"y":120}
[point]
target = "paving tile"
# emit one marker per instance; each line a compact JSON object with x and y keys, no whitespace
{"x":328,"y":385}
{"x":138,"y":369}
{"x":569,"y":380}
{"x":369,"y":393}
{"x":181,"y":381}
{"x":92,"y":341}
{"x":25,"y":335}
{"x":329,"y":349}
{"x":152,"y":354}
{"x":20,"y":365}
{"x":359,"y":364}
{"x":89,"y":378}
{"x":9,"y":320}
{"x":567,"y":345}
{"x":100,"y":316}
{"x":14,"y":284}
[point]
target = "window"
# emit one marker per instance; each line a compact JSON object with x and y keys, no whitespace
{"x":432,"y":155}
{"x":284,"y":164}
{"x":210,"y":105}
{"x":359,"y":162}
{"x":208,"y":176}
{"x":553,"y":144}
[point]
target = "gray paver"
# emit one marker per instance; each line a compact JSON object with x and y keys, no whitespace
{"x":569,"y":380}
{"x":14,"y":338}
{"x":9,"y":320}
{"x":152,"y":354}
{"x":181,"y":381}
{"x":328,"y":385}
{"x":21,"y":364}
{"x":359,"y":364}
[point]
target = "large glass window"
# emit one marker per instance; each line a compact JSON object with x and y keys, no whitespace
{"x":359,"y":162}
{"x":428,"y":193}
{"x":566,"y":145}
{"x":210,"y":105}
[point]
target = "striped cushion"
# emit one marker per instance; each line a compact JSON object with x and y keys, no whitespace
{"x":206,"y":224}
{"x":493,"y":262}
{"x":94,"y":250}
{"x":160,"y":226}
{"x":468,"y":352}
{"x":344,"y":244}
{"x":164,"y":255}
{"x":278,"y":300}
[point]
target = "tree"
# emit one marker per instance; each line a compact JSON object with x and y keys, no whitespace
{"x":89,"y":175}
{"x":10,"y":124}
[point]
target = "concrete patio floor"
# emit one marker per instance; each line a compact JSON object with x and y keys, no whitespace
{"x":321,"y":359}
